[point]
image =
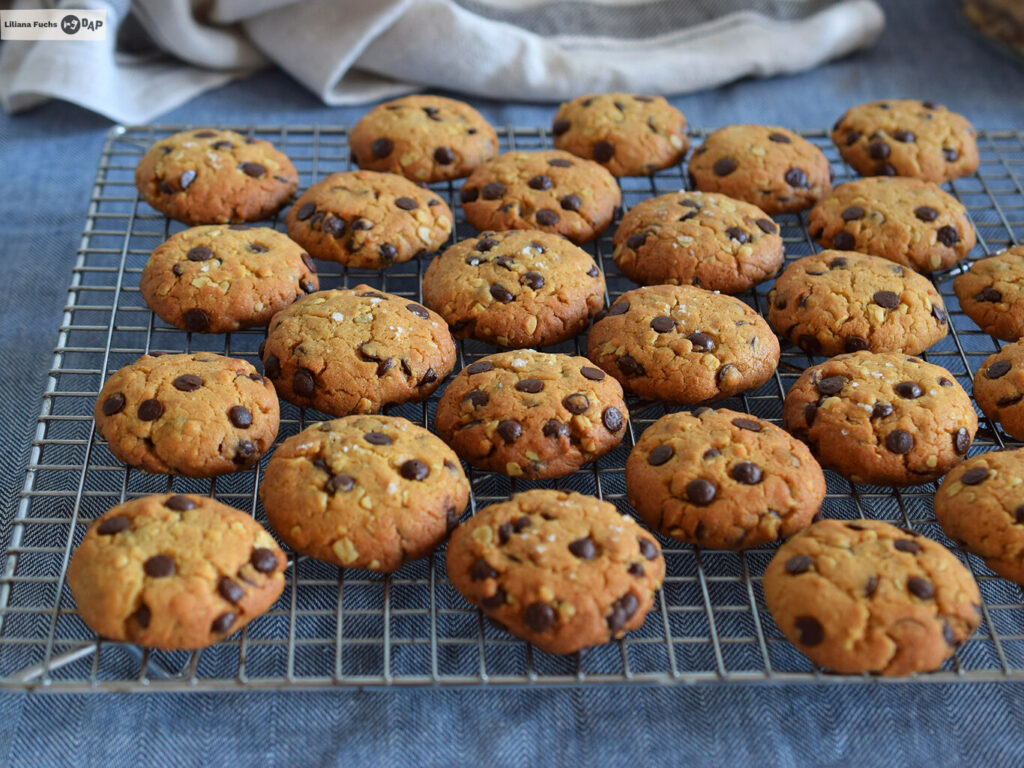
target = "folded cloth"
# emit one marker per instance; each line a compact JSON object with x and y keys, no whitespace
{"x":160,"y":53}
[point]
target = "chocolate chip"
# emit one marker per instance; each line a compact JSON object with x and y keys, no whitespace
{"x":584,"y":548}
{"x":159,"y":566}
{"x":998,"y":369}
{"x":612,"y":419}
{"x":989,"y":294}
{"x":796,"y":177}
{"x":546,"y":217}
{"x":811,"y":632}
{"x":377,"y":438}
{"x":899,"y":441}
{"x":1008,"y":400}
{"x":555,"y":429}
{"x":539,"y":616}
{"x":186,"y":179}
{"x":724,"y":166}
{"x":630,"y":366}
{"x":560,"y":126}
{"x":180,"y":503}
{"x":204,"y":134}
{"x":909,"y":390}
{"x":387,"y":252}
{"x":623,"y":610}
{"x":113,"y":404}
{"x":113,"y":525}
{"x":255,"y":170}
{"x":230,"y":590}
{"x":1019,"y":515}
{"x":872,"y":583}
{"x":540,"y":182}
{"x":559,"y":162}
{"x":660,"y":455}
{"x":618,"y":308}
{"x":143,"y":616}
{"x":481,"y":366}
{"x":948,"y":236}
{"x":339,"y":483}
{"x":974,"y":475}
{"x":920,"y":588}
{"x":305,"y":211}
{"x":603,"y":151}
{"x":809,"y":344}
{"x":843,"y":241}
{"x":663,"y":324}
{"x":885,"y":169}
{"x":711,"y":453}
{"x":748,"y":424}
{"x":469,"y":194}
{"x":593,"y":271}
{"x":502,"y":294}
{"x":636,"y":240}
{"x":495,"y":190}
{"x":799,"y":564}
{"x":700,"y":492}
{"x":852,"y":137}
{"x":406,"y":203}
{"x":531,"y":386}
{"x":950,"y":154}
{"x":747,"y":472}
{"x":926,"y":213}
{"x":594,"y":374}
{"x":831,"y":385}
{"x":151,"y":410}
{"x":725,"y":372}
{"x":939,"y":315}
{"x":197,"y":321}
{"x":178,"y":270}
{"x":881,"y":410}
{"x":444,"y":156}
{"x":636,"y":569}
{"x":533,"y":280}
{"x":477,"y":399}
{"x":779,"y":138}
{"x":702,"y":342}
{"x":737,"y":234}
{"x":961,"y":441}
{"x":199,"y":253}
{"x":223,"y":623}
{"x":878,"y":150}
{"x":382,"y":147}
{"x":904,"y":136}
{"x":303,"y":382}
{"x":647,"y":548}
{"x":272,"y":366}
{"x":414,"y":469}
{"x":576,"y":403}
{"x":767,"y":226}
{"x":855,"y":344}
{"x":853,"y":213}
{"x":510,"y":430}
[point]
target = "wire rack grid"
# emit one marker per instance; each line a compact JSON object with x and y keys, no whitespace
{"x":335,"y":627}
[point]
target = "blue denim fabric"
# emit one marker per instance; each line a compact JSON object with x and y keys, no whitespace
{"x":48,"y":160}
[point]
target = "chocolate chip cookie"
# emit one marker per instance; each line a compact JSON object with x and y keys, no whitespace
{"x":723,"y":479}
{"x":355,"y":350}
{"x":217,"y":279}
{"x":561,"y":570}
{"x":369,"y":219}
{"x":775,"y":169}
{"x":698,"y":238}
{"x":629,"y":134}
{"x":865,"y":596}
{"x":424,"y":138}
{"x":908,"y":221}
{"x":553,"y":191}
{"x":198,"y":415}
{"x":999,"y":389}
{"x":907,"y":137}
{"x":174,"y":572}
{"x":206,"y":176}
{"x":532,"y":414}
{"x":364,"y":492}
{"x":683,"y":344}
{"x":882,"y":418}
{"x":981,"y":503}
{"x":834,"y":302}
{"x":992,"y":293}
{"x":521,"y":288}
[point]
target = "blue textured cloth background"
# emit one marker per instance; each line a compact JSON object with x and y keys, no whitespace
{"x":47,"y":161}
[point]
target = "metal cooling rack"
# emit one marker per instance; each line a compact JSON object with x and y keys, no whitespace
{"x":336,"y":627}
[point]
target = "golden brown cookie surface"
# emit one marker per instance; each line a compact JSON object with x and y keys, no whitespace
{"x":992,"y":293}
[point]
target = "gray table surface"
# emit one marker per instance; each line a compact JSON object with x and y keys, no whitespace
{"x":48,"y":160}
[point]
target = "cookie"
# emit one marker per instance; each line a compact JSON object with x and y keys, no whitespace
{"x":553,"y":191}
{"x":999,"y":389}
{"x":532,"y":414}
{"x":364,"y":492}
{"x":723,"y":479}
{"x":355,"y":350}
{"x":174,"y":572}
{"x":834,"y":302}
{"x":561,"y":570}
{"x":698,"y":238}
{"x":865,"y":596}
{"x":907,"y":137}
{"x":981,"y":503}
{"x":882,"y":418}
{"x":198,"y":415}
{"x":683,"y":344}
{"x":208,"y":176}
{"x":992,"y":293}
{"x":424,"y":138}
{"x":629,"y":134}
{"x":369,"y":220}
{"x":908,"y":221}
{"x":521,"y":288}
{"x":217,"y":279}
{"x":773,"y":168}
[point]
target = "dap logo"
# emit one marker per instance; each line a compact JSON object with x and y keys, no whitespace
{"x":71,"y":24}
